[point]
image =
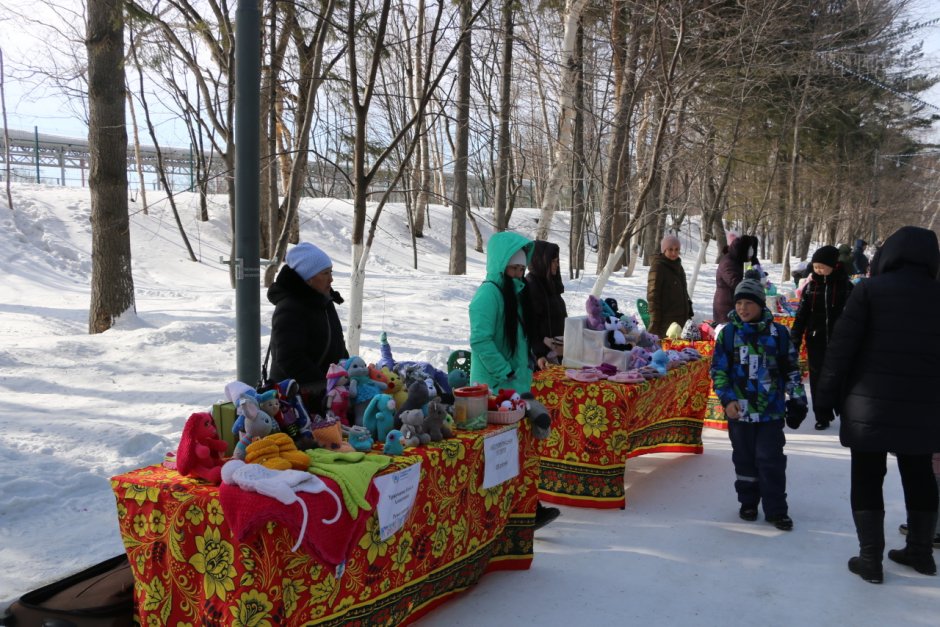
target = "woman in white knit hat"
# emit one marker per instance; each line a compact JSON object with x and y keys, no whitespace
{"x":306,"y":334}
{"x":666,"y":288}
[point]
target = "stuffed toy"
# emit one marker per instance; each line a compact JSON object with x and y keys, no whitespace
{"x":258,"y":424}
{"x":648,"y":340}
{"x":539,"y":417}
{"x":411,"y":371}
{"x":409,"y":437}
{"x":199,"y":453}
{"x":419,"y":395}
{"x":707,"y":331}
{"x":379,"y":416}
{"x":278,"y":452}
{"x":386,"y":360}
{"x":617,"y":334}
{"x":639,"y":357}
{"x":414,"y":421}
{"x":611,"y":305}
{"x":295,"y":416}
{"x":396,"y":386}
{"x":595,"y":316}
{"x":328,"y":432}
{"x":660,"y":361}
{"x":377,"y":374}
{"x":690,"y":331}
{"x":434,"y":422}
{"x":338,"y":395}
{"x":359,"y":438}
{"x":505,"y":400}
{"x":458,"y":379}
{"x":361,"y":387}
{"x":393,"y":445}
{"x":674,"y":332}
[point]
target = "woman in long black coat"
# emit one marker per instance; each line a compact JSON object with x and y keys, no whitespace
{"x":882,"y":374}
{"x":544,"y":286}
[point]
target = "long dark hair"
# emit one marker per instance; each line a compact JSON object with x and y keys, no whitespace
{"x":511,"y":305}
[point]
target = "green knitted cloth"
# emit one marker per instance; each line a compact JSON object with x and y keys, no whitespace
{"x":351,"y":471}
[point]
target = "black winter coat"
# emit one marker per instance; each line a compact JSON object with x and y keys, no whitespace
{"x":306,"y":334}
{"x":882,"y":367}
{"x":730,"y":272}
{"x":547,"y":307}
{"x":667,"y":294}
{"x":821,"y":304}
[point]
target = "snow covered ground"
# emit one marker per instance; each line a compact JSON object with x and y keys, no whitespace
{"x":79,"y":409}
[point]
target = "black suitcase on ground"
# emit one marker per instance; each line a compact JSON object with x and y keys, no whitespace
{"x":100,"y":596}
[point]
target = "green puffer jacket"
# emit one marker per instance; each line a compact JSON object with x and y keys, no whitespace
{"x":491,"y":362}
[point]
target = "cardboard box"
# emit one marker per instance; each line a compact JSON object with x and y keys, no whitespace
{"x":223,"y":414}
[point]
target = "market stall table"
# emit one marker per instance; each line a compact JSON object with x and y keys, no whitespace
{"x":190,"y":569}
{"x":598,"y":426}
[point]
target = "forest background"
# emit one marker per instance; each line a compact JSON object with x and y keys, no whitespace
{"x":798,"y":120}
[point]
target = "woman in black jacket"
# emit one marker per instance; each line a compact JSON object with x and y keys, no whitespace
{"x":666,"y":288}
{"x":306,"y":334}
{"x":884,"y":380}
{"x":821,"y":304}
{"x":548,"y":310}
{"x":731,"y":272}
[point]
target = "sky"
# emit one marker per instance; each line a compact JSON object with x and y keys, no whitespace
{"x":78,"y":409}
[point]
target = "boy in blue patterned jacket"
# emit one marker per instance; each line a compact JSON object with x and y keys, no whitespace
{"x":753,"y":370}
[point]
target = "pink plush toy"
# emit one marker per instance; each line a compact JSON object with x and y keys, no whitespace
{"x":199,"y":453}
{"x":595,"y":316}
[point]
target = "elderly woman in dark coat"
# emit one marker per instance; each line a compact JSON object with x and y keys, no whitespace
{"x":666,"y":288}
{"x":306,"y":334}
{"x":543,"y":282}
{"x":885,"y":383}
{"x":730,"y":273}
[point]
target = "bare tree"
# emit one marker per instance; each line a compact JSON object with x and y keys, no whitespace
{"x":112,"y":283}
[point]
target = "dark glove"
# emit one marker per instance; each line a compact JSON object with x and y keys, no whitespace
{"x":796,"y":412}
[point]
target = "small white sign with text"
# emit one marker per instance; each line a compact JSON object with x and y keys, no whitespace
{"x":501,"y":457}
{"x":397,"y":493}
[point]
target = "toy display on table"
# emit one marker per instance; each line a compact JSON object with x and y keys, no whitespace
{"x":200,"y":450}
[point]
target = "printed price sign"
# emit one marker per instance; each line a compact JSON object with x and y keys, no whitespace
{"x":397,"y":493}
{"x":501,"y":457}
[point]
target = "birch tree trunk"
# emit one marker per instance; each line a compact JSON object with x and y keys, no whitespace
{"x":561,"y":166}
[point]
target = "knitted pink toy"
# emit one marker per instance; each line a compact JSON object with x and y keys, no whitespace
{"x":199,"y":453}
{"x":595,"y":317}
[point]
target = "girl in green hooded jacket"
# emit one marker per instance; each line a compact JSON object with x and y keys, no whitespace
{"x":498,"y":346}
{"x":497,"y":317}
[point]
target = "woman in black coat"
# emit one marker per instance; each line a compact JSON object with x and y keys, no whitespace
{"x":730,"y":272}
{"x":548,"y":310}
{"x":884,"y":380}
{"x":306,"y":334}
{"x":822,"y":301}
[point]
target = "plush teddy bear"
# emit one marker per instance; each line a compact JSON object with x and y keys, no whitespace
{"x":379,"y":416}
{"x":617,"y":334}
{"x":414,"y":421}
{"x":409,"y":437}
{"x":199,"y":453}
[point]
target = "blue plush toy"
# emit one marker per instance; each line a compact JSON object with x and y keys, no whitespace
{"x":361,"y":384}
{"x":660,"y":361}
{"x":393,"y":445}
{"x":379,"y":417}
{"x":359,"y":438}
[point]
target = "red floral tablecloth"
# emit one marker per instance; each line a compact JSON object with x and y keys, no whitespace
{"x":598,"y":426}
{"x":189,"y":570}
{"x":714,"y":414}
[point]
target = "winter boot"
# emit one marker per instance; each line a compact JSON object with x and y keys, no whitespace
{"x":918,"y":553}
{"x":870,"y":528}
